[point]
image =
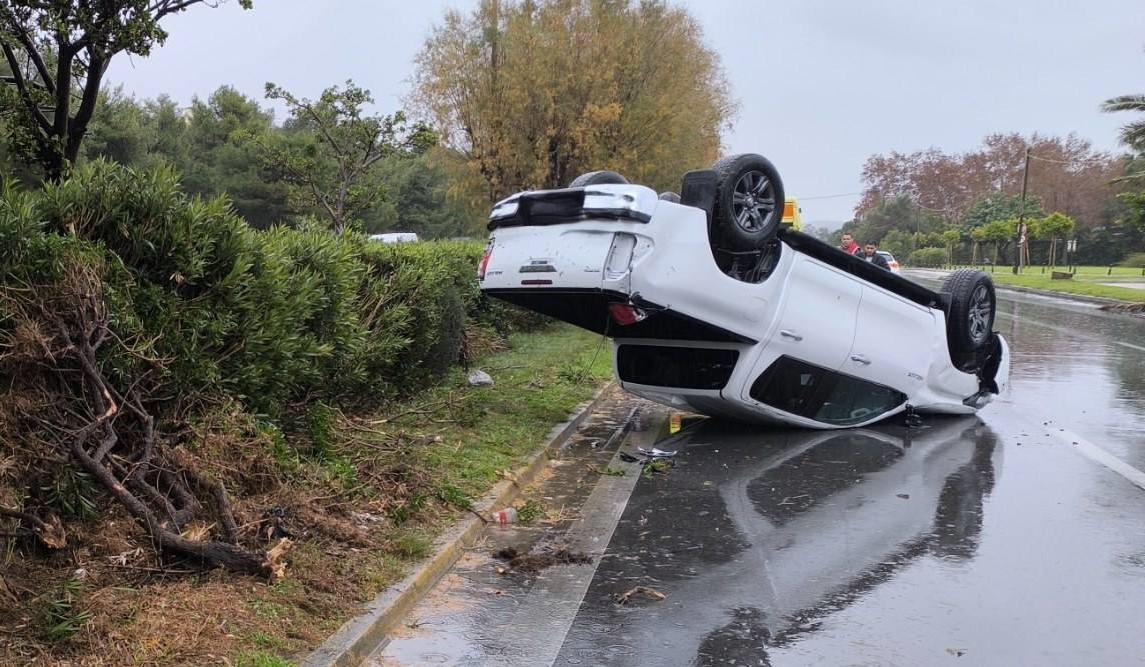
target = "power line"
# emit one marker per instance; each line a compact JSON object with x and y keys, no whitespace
{"x":1073,"y":161}
{"x":842,"y":194}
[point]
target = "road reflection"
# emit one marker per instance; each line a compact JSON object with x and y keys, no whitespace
{"x":758,"y":535}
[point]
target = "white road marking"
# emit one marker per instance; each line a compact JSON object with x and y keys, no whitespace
{"x":551,"y":606}
{"x":1130,"y":345}
{"x":1097,"y":454}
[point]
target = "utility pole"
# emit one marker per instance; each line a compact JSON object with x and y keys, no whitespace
{"x":1020,"y":235}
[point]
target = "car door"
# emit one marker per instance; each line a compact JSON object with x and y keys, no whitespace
{"x":817,"y":320}
{"x":894,"y":341}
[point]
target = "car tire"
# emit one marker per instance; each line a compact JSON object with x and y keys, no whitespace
{"x":749,"y":203}
{"x":973,"y":303}
{"x":598,"y":178}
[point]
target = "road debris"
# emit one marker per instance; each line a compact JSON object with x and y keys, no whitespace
{"x":504,"y":517}
{"x":956,"y":652}
{"x":535,"y":562}
{"x":646,"y":591}
{"x":653,"y":459}
{"x":480,"y":379}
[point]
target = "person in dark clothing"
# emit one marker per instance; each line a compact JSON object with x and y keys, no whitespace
{"x":871,"y":254}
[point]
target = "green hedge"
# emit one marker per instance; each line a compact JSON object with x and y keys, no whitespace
{"x":1135,"y":259}
{"x":927,"y":257}
{"x":273,"y":318}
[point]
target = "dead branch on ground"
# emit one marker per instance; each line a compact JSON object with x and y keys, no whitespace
{"x":109,"y":432}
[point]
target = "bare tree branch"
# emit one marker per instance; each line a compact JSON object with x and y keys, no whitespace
{"x":22,"y":88}
{"x":25,"y":39}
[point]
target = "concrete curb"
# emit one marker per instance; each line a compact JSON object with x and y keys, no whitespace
{"x":362,"y":635}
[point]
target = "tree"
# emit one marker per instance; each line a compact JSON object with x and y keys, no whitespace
{"x":331,"y":150}
{"x":1002,"y":207}
{"x":978,"y":236}
{"x":952,"y":237}
{"x":211,"y":147}
{"x":1132,"y":133}
{"x":1135,"y":205}
{"x":534,"y":92}
{"x":1065,"y":173}
{"x":898,"y":243}
{"x":1053,"y":227}
{"x":416,"y":200}
{"x":1000,"y":233}
{"x":57,"y":52}
{"x":122,"y":130}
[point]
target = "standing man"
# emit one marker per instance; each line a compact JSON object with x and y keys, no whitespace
{"x":849,"y":246}
{"x":871,"y":254}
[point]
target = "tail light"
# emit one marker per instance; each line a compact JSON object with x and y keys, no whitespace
{"x":485,"y":260}
{"x":625,"y":314}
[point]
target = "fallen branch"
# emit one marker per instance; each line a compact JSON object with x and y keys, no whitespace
{"x":50,"y":533}
{"x":111,"y":435}
{"x":651,"y":593}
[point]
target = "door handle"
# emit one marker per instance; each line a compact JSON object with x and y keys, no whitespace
{"x":786,"y":333}
{"x":860,"y":359}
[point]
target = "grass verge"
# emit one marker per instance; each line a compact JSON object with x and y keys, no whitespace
{"x":362,"y":506}
{"x":1085,"y":284}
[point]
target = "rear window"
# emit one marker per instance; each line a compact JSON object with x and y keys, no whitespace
{"x":680,"y":367}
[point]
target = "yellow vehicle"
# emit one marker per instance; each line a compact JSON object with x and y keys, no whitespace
{"x":791,"y":214}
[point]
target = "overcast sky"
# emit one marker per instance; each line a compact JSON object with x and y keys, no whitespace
{"x":822,"y":84}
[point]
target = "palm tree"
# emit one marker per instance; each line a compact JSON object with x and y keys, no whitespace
{"x":1133,"y":134}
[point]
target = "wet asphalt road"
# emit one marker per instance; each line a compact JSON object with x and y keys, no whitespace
{"x":1015,"y":537}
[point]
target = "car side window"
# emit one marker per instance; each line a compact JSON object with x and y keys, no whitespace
{"x":789,"y":385}
{"x":824,"y":395}
{"x":853,"y":401}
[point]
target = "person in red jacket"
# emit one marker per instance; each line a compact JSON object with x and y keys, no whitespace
{"x":849,"y":246}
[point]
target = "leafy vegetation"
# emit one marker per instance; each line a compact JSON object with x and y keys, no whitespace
{"x":531,"y":512}
{"x":331,"y":149}
{"x":969,"y":203}
{"x":60,"y":616}
{"x":56,"y":54}
{"x":127,"y":307}
{"x":927,"y":257}
{"x":531,"y":94}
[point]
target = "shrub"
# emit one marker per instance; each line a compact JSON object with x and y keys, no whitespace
{"x":1134,"y":259}
{"x":272,"y":317}
{"x":927,"y":257}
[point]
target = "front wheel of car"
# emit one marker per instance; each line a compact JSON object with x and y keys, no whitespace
{"x":749,"y":203}
{"x":973,"y":303}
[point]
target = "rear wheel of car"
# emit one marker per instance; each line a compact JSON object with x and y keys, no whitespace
{"x":749,"y":203}
{"x":598,"y":178}
{"x":970,"y":322}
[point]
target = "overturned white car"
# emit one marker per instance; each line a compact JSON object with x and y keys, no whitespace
{"x":713,"y":307}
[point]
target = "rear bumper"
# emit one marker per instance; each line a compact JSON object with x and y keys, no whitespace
{"x":588,"y":309}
